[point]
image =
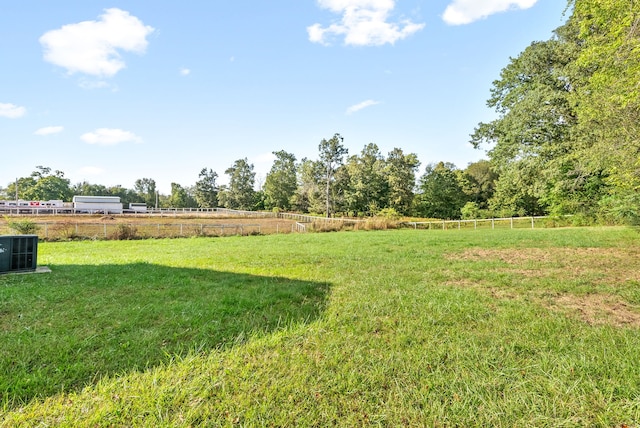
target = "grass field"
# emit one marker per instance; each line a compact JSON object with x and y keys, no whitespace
{"x":388,"y":328}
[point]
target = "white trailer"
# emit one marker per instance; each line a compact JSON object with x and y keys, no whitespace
{"x":97,"y":204}
{"x":138,"y":207}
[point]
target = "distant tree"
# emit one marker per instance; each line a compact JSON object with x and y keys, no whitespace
{"x":87,"y":189}
{"x":146,"y":189}
{"x":331,"y":157}
{"x":281,"y":182}
{"x":309,"y":194}
{"x":22,"y":185}
{"x":126,"y":196}
{"x":440,"y":193}
{"x":206,"y":191}
{"x":367,"y":187}
{"x":400,"y":172}
{"x":48,"y":186}
{"x":240,"y":193}
{"x":180,"y":197}
{"x":478,"y":181}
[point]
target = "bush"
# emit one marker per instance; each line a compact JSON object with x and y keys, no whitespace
{"x":125,"y":232}
{"x":23,"y":226}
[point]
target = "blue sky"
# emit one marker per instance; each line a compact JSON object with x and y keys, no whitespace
{"x":113,"y":91}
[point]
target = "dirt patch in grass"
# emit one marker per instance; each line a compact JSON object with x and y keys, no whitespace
{"x":606,"y":268}
{"x":598,"y":309}
{"x":611,"y":266}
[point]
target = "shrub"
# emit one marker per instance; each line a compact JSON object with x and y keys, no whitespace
{"x":125,"y":232}
{"x":23,"y":226}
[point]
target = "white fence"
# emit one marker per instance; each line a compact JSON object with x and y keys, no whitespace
{"x":510,"y":222}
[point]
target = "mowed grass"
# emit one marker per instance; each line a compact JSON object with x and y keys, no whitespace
{"x":392,"y":328}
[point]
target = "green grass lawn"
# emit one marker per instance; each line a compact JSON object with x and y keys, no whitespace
{"x":393,"y":328}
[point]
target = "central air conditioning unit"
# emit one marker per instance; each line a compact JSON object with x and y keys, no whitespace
{"x":18,"y":253}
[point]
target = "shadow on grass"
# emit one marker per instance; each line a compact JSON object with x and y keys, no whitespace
{"x":65,"y":330}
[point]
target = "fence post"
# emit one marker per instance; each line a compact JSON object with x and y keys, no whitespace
{"x":475,"y":224}
{"x":532,"y":223}
{"x":511,"y":222}
{"x":493,"y":223}
{"x":105,"y":230}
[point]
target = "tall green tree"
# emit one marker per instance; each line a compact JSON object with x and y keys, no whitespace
{"x":608,"y":99}
{"x":48,"y":185}
{"x":147,"y":190}
{"x":400,"y":173}
{"x":332,"y":154}
{"x":309,"y":195}
{"x":367,"y":188}
{"x":441,"y":195}
{"x":240,"y":193}
{"x":85,"y":188}
{"x":281,"y":182}
{"x":181,"y":197}
{"x":531,"y":140}
{"x":206,"y":190}
{"x":478,"y":181}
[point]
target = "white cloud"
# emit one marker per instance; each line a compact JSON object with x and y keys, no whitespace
{"x":110,"y":137}
{"x":362,"y":105}
{"x":363,"y":23}
{"x":48,"y":130}
{"x":185,"y":71}
{"x":92,"y":47}
{"x":466,"y":11}
{"x":11,"y":111}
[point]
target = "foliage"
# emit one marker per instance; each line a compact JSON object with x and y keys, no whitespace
{"x":308,"y":196}
{"x":23,"y":226}
{"x":332,"y":152}
{"x":125,"y":232}
{"x":366,"y":189}
{"x":206,"y":190}
{"x":240,"y":194}
{"x":441,"y":195}
{"x":181,"y":197}
{"x":147,"y":190}
{"x":281,"y":182}
{"x":478,"y":182}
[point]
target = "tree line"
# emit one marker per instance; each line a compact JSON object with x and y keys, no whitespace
{"x":565,"y":141}
{"x":365,"y":184}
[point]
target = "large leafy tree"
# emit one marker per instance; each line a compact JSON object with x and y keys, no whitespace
{"x":146,"y":189}
{"x":608,"y":99}
{"x":206,"y":190}
{"x":240,"y":193}
{"x":441,"y":195}
{"x":309,"y":194}
{"x":48,"y":185}
{"x":281,"y":182}
{"x":332,"y":153}
{"x":478,"y":181}
{"x":400,"y":173}
{"x":367,"y":188}
{"x":181,"y":197}
{"x":532,"y":145}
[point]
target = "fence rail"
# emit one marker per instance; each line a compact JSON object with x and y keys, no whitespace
{"x":493,"y":223}
{"x":71,"y":230}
